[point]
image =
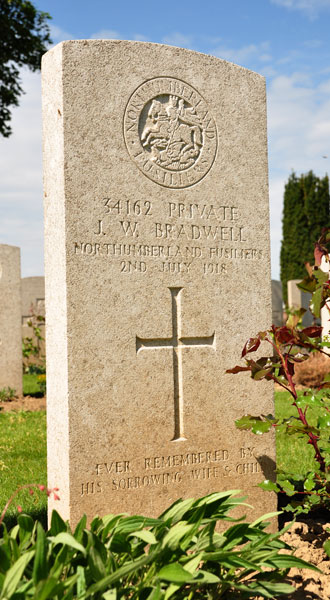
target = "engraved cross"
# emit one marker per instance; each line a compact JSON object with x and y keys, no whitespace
{"x":177,"y":343}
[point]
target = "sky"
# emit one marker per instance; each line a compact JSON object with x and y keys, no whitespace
{"x":287,"y":41}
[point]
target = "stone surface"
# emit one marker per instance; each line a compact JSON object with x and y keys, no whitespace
{"x":33,"y":303}
{"x":33,"y":296}
{"x":10,"y":318}
{"x":157,"y":272}
{"x":325,"y":311}
{"x":277,"y":303}
{"x":299,"y":299}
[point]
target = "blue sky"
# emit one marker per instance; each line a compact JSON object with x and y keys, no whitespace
{"x":285,"y":40}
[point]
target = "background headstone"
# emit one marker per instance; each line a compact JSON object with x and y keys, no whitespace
{"x":33,"y":303}
{"x":157,"y":272}
{"x":33,"y":295}
{"x":325,"y":314}
{"x":299,"y":299}
{"x":277,"y":303}
{"x":10,"y":318}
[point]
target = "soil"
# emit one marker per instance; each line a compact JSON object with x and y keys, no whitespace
{"x":28,"y":403}
{"x":307,"y":538}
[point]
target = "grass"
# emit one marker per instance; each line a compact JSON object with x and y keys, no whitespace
{"x":23,"y":460}
{"x":293,"y":455}
{"x":31,"y":386}
{"x":23,"y":453}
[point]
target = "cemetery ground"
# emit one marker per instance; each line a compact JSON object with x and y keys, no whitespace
{"x":23,"y":461}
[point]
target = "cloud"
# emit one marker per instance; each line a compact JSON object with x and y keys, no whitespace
{"x":178,"y":39}
{"x":105,"y":34}
{"x":59,"y":35}
{"x":311,"y":8}
{"x":298,"y":134}
{"x":139,"y":37}
{"x":313,"y":43}
{"x":21,"y":215}
{"x":244,"y":54}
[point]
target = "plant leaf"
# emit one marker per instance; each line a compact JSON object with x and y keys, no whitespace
{"x":145,"y":535}
{"x":40,"y":568}
{"x":68,"y":540}
{"x":174,"y":573}
{"x":13,"y":576}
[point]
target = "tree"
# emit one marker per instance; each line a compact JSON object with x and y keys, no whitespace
{"x":23,"y":40}
{"x":306,"y":210}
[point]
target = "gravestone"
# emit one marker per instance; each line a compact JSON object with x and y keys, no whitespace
{"x":10,"y":319}
{"x":33,"y":305}
{"x":277,"y":303}
{"x":157,"y":272}
{"x":325,"y":312}
{"x":33,"y":296}
{"x":299,"y":299}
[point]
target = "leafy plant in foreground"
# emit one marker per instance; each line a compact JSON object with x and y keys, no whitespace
{"x":180,"y":555}
{"x":291,"y":346}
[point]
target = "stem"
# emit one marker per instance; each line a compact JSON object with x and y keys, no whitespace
{"x":20,"y":488}
{"x":312,"y":438}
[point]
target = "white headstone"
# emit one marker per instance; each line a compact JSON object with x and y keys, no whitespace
{"x":157,"y":272}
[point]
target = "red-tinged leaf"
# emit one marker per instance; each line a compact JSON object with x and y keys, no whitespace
{"x":313,"y":331}
{"x":319,"y":252}
{"x":290,"y":368}
{"x":251,"y":345}
{"x":237,"y":369}
{"x":284,"y":335}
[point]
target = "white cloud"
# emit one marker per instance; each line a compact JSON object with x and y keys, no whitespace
{"x":21,"y":213}
{"x":244,"y":54}
{"x":299,"y":137}
{"x":59,"y":35}
{"x":105,"y":34}
{"x":139,"y":37}
{"x":313,"y":43}
{"x":310,"y":8}
{"x":178,"y":39}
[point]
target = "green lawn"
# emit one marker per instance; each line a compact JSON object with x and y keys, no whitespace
{"x":31,"y":386}
{"x":292,"y":454}
{"x":23,"y":453}
{"x":23,"y":459}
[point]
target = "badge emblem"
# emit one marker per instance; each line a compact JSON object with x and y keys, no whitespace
{"x":170,"y":133}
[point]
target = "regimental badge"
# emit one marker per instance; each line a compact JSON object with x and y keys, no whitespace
{"x":170,"y":133}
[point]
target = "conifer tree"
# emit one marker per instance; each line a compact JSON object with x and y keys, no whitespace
{"x":306,"y":210}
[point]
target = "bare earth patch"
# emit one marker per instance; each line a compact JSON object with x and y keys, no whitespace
{"x":29,"y":403}
{"x":308,"y":539}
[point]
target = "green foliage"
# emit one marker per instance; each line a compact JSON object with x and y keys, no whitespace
{"x":42,"y":383}
{"x":33,"y":359}
{"x":292,"y":346}
{"x":180,"y":555}
{"x":306,"y":211}
{"x":7,"y":394}
{"x":23,"y":41}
